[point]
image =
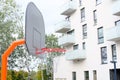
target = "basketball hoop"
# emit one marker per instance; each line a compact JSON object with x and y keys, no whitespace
{"x":45,"y":54}
{"x":50,"y":50}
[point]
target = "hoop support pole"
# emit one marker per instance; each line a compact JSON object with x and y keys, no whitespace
{"x":6,"y":55}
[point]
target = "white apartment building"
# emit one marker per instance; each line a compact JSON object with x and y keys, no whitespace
{"x":91,"y":36}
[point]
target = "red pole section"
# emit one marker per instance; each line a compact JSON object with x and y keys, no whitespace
{"x":6,"y":55}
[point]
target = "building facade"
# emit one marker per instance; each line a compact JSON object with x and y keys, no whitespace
{"x":91,"y":35}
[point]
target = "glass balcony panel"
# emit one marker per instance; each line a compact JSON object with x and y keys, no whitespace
{"x":68,"y":8}
{"x":63,"y":26}
{"x":66,"y":40}
{"x":76,"y":55}
{"x":113,"y":34}
{"x":116,"y":8}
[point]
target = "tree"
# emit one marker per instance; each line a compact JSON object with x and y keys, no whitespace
{"x":17,"y":75}
{"x":51,"y":42}
{"x":29,"y":63}
{"x":11,"y":28}
{"x":38,"y":75}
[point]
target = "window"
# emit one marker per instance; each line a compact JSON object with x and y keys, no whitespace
{"x":73,"y":75}
{"x":83,"y":45}
{"x":98,"y":2}
{"x":82,"y":14}
{"x":94,"y":75}
{"x":104,"y":55}
{"x":114,"y":55}
{"x":95,"y":16}
{"x":84,"y":31}
{"x":75,"y":47}
{"x":100,"y":35}
{"x":117,"y":23}
{"x":70,"y":32}
{"x":86,"y":74}
{"x":68,"y":18}
{"x":80,"y":2}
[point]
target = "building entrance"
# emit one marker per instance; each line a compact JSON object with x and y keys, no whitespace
{"x":112,"y":74}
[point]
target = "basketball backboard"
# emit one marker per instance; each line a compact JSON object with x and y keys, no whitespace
{"x":34,"y":29}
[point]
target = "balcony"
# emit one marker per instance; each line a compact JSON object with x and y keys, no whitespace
{"x":66,"y":40}
{"x":76,"y":55}
{"x":68,"y":8}
{"x":116,"y":8}
{"x":113,"y":34}
{"x":63,"y":26}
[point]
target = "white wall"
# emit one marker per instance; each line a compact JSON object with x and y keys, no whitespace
{"x":93,"y":59}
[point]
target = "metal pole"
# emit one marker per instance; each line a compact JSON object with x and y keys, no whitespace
{"x":115,"y":73}
{"x":6,"y":55}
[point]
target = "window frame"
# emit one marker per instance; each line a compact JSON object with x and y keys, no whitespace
{"x":100,"y":38}
{"x":104,"y":55}
{"x":94,"y":74}
{"x":80,"y":2}
{"x":95,"y":17}
{"x":86,"y":75}
{"x":74,"y":75}
{"x":118,"y":21}
{"x":84,"y":31}
{"x":98,"y":2}
{"x":67,"y":18}
{"x":114,"y":53}
{"x":83,"y":45}
{"x":71,"y":32}
{"x":76,"y":46}
{"x":83,"y":14}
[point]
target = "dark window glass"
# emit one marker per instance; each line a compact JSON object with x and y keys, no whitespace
{"x":104,"y":55}
{"x":94,"y":75}
{"x":95,"y":16}
{"x":82,"y":14}
{"x":70,"y":32}
{"x":86,"y":74}
{"x":114,"y":55}
{"x":73,"y":75}
{"x":117,"y":23}
{"x":83,"y":44}
{"x":84,"y":31}
{"x":98,"y":2}
{"x":80,"y":2}
{"x":68,"y":18}
{"x":75,"y":47}
{"x":100,"y":35}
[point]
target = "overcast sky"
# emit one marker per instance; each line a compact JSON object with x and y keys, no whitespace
{"x":50,"y":10}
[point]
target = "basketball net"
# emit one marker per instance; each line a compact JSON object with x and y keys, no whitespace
{"x":46,"y":55}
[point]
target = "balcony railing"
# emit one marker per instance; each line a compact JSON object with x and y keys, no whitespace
{"x":63,"y":26}
{"x":66,"y":40}
{"x":68,"y":8}
{"x":76,"y":55}
{"x":113,"y":34}
{"x":116,"y":8}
